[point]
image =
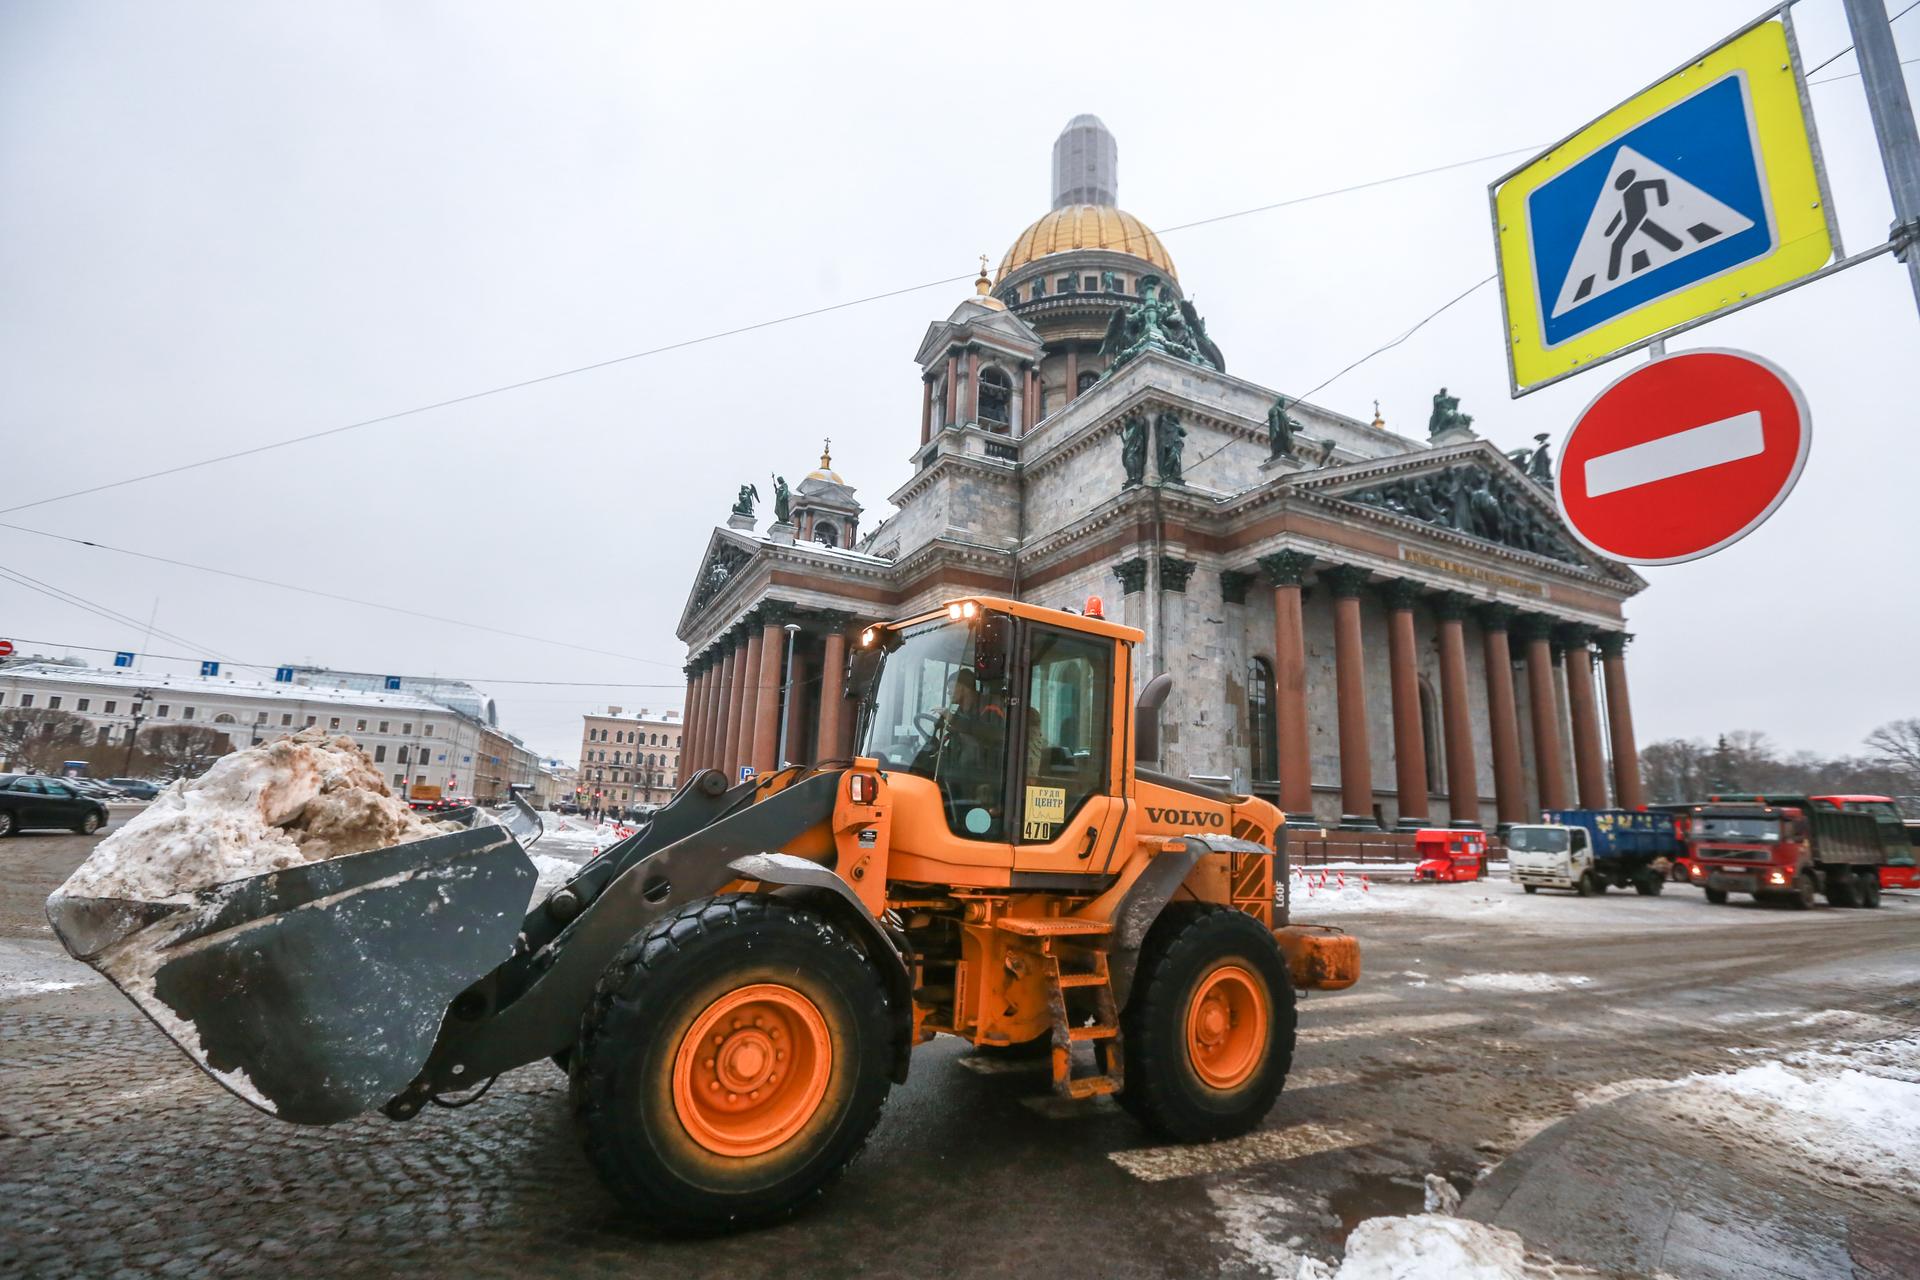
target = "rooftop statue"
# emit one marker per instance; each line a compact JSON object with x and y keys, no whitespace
{"x":1133,"y":449}
{"x":1280,"y":429}
{"x":743,"y":505}
{"x":1447,"y":415}
{"x":782,"y":499}
{"x":1169,"y":439}
{"x":1157,"y":323}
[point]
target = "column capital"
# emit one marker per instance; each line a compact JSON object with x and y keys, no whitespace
{"x":691,"y":670}
{"x":1234,"y":584}
{"x":1496,"y":615}
{"x":1174,"y":573}
{"x":1286,"y":568}
{"x":1132,"y":574}
{"x":1572,"y":635}
{"x":1532,"y":626}
{"x":1400,"y":593}
{"x":1612,"y":643}
{"x":1451,"y":606}
{"x":1347,"y":581}
{"x":776,"y":613}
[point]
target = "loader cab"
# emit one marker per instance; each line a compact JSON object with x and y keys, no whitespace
{"x":1008,"y":726}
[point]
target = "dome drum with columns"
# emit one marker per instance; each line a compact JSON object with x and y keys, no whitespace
{"x":1372,"y":629}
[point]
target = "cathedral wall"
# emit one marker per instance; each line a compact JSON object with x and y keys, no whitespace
{"x":975,"y":506}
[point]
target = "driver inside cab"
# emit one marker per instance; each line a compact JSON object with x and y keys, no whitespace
{"x":967,"y":752}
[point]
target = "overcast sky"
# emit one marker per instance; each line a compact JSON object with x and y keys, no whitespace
{"x":221,"y":225}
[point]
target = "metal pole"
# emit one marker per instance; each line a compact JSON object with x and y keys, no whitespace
{"x":1893,"y":125}
{"x":786,"y":692}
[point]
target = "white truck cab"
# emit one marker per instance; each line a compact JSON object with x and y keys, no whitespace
{"x":1545,"y":854}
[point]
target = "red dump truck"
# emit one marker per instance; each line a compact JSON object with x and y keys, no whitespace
{"x":1787,"y":849}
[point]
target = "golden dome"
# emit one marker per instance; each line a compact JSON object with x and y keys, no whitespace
{"x":1086,"y":226}
{"x":825,"y":470}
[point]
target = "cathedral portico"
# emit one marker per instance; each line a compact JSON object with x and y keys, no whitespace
{"x":1366,"y":626}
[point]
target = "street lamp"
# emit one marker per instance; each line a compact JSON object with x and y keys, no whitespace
{"x":140,"y":697}
{"x":786,"y":694}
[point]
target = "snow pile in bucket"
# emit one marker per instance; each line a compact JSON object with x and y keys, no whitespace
{"x":263,"y":808}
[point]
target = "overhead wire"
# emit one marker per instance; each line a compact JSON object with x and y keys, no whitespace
{"x":77,"y":601}
{"x":332,"y":595}
{"x":1848,"y":48}
{"x":735,"y":331}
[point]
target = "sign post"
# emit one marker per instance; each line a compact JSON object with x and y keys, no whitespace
{"x":1683,"y":456}
{"x":1701,"y":194}
{"x":1892,"y":113}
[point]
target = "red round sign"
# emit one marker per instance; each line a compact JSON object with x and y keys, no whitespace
{"x":1683,"y":456}
{"x":6,"y":648}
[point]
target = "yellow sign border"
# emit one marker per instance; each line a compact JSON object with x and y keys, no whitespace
{"x":1795,"y":188}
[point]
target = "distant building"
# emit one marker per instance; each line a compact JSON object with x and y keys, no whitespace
{"x":628,"y":758}
{"x":554,"y":781}
{"x":417,"y":739}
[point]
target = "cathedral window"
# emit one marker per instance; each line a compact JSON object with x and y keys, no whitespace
{"x":1091,"y":284}
{"x":1087,"y":378}
{"x":1065,"y":285}
{"x":1263,"y":731}
{"x":826,"y":534}
{"x":996,"y":396}
{"x":1430,"y":733}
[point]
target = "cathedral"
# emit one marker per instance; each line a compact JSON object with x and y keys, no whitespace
{"x":1371,"y":630}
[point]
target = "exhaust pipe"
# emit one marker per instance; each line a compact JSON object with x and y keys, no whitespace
{"x":1146,"y":719}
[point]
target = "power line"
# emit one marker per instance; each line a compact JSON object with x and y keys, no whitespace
{"x":1849,"y":47}
{"x":270,"y":666}
{"x":690,"y":342}
{"x":1417,"y":326}
{"x":94,"y":607}
{"x":1851,"y":75}
{"x":329,"y":595}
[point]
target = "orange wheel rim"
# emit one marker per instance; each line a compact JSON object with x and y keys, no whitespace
{"x":752,"y":1070}
{"x":1227,"y":1026}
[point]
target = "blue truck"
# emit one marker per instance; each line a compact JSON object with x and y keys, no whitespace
{"x":1590,"y":850}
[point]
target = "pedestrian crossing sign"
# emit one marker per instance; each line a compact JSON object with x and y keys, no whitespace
{"x":1698,"y":195}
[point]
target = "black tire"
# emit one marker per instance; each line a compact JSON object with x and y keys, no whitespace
{"x":1718,"y":897}
{"x":1584,"y":886}
{"x":1868,"y":891}
{"x":649,"y":999}
{"x":1164,"y":1089}
{"x":88,"y":825}
{"x":1599,"y":883}
{"x":1804,"y":892}
{"x":9,"y":825}
{"x":1531,"y":888}
{"x":1841,"y":889}
{"x":1649,"y":885}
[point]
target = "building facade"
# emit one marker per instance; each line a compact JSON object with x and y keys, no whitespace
{"x":420,"y":743}
{"x":629,"y":758}
{"x":1370,"y":628}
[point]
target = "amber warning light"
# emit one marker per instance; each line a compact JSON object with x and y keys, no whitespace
{"x":1094,"y":608}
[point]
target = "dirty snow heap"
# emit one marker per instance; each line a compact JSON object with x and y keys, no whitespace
{"x":263,"y":808}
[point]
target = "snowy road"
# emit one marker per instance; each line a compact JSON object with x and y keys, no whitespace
{"x":1490,"y":1025}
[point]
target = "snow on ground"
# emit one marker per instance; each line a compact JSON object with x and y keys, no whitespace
{"x":37,"y":968}
{"x":1852,"y":1117}
{"x":1317,"y":895}
{"x":584,"y":834}
{"x":1424,"y":1245}
{"x":1518,"y":981}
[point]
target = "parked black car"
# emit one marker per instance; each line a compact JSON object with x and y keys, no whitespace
{"x":27,"y":802}
{"x":138,"y":788}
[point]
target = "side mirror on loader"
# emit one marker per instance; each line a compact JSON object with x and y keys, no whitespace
{"x":992,"y":640}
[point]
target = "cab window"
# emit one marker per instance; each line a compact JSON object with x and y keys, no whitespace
{"x":938,"y":710}
{"x":1066,"y":730}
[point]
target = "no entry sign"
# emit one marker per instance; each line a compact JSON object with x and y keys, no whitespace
{"x":1683,"y":456}
{"x":6,"y":648}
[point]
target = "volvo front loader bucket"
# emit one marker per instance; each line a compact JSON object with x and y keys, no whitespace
{"x":317,"y":992}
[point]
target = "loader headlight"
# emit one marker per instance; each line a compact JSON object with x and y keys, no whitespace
{"x":862,"y":788}
{"x":866,"y":638}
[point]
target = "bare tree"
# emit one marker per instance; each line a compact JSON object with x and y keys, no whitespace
{"x":183,"y":750}
{"x":40,"y":739}
{"x":1897,"y":746}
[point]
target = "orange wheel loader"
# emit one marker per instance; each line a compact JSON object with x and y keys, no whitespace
{"x":734,"y":989}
